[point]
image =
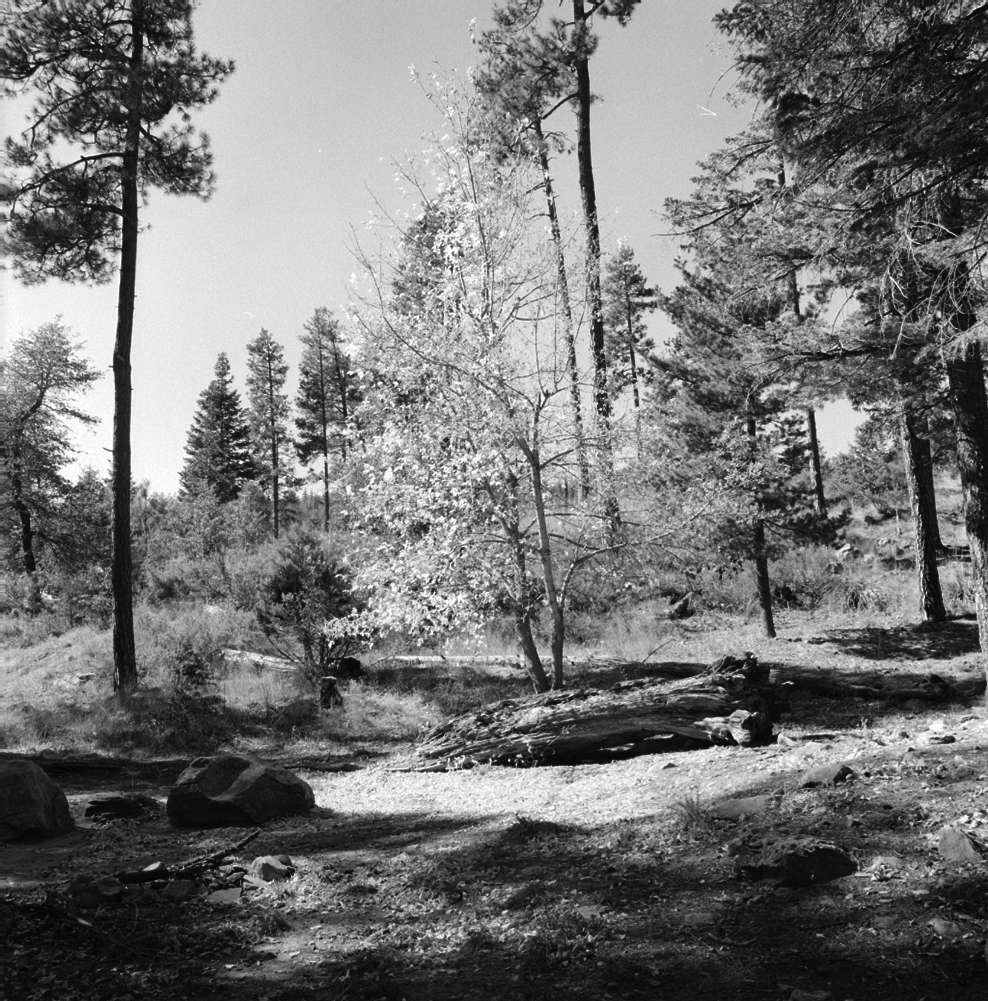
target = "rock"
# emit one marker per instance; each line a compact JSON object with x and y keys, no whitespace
{"x":89,"y":893}
{"x":942,"y":738}
{"x":800,"y":863}
{"x":956,"y":845}
{"x":31,"y":805}
{"x":735,"y":809}
{"x":826,"y":775}
{"x":270,"y":868}
{"x":950,"y":930}
{"x":229,"y":895}
{"x":234,"y":790}
{"x":179,"y":889}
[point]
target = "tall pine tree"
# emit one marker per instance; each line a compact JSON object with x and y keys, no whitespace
{"x":627,"y":298}
{"x":267,"y":371}
{"x":218,"y":453}
{"x":327,"y":393}
{"x":114,"y":83}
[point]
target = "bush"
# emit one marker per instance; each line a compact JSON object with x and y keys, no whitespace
{"x":306,"y":586}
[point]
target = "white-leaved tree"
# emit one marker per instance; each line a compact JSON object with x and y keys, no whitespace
{"x":468,"y":439}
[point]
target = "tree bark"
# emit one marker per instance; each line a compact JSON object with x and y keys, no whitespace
{"x":760,"y":553}
{"x":588,"y":197}
{"x":965,"y":376}
{"x":570,"y":330}
{"x":728,"y":704}
{"x":816,"y":464}
{"x":919,"y":476}
{"x":33,"y":596}
{"x":121,"y":574}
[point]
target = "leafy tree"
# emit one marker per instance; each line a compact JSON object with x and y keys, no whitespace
{"x":627,"y":298}
{"x":328,"y":392}
{"x":469,"y":440}
{"x":268,"y":415}
{"x":41,"y":376}
{"x":114,"y":83}
{"x":218,"y":452}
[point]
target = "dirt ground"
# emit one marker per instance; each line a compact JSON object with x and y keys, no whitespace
{"x":595,"y":881}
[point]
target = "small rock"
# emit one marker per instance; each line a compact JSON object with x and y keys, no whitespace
{"x":90,"y":893}
{"x":826,"y":775}
{"x":950,"y":930}
{"x":735,"y":809}
{"x":798,"y":863}
{"x":229,"y":895}
{"x":179,"y":890}
{"x":942,"y":738}
{"x":956,"y":845}
{"x":271,"y":867}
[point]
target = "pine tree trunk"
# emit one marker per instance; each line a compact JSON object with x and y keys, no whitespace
{"x":919,"y":476}
{"x":570,"y":329}
{"x":760,"y":553}
{"x":121,"y":574}
{"x":814,"y":442}
{"x":325,"y":493}
{"x":588,"y":195}
{"x":33,"y":596}
{"x":965,"y":376}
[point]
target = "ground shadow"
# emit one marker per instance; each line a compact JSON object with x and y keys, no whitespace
{"x":940,"y":641}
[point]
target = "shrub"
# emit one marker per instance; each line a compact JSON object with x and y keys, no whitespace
{"x":307,"y":585}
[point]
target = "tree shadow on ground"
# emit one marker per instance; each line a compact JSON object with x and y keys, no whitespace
{"x":500,"y":909}
{"x":942,"y":641}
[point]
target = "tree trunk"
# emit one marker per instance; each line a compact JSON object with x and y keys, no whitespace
{"x":588,"y":197}
{"x":919,"y":476}
{"x":325,"y":493}
{"x":965,"y":376}
{"x":727,"y":704}
{"x":817,"y":466}
{"x":33,"y":596}
{"x":552,"y":597}
{"x":759,"y":551}
{"x":570,"y":329}
{"x":121,"y":574}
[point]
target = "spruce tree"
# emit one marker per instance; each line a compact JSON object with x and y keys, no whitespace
{"x":268,"y":416}
{"x":218,"y":454}
{"x":327,"y":394}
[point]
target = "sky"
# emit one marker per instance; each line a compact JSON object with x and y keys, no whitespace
{"x":306,"y":135}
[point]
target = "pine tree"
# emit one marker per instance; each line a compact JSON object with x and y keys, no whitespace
{"x":267,"y":371}
{"x":40,"y":376}
{"x":114,"y":82}
{"x":327,"y":394}
{"x":218,"y":452}
{"x":627,"y":298}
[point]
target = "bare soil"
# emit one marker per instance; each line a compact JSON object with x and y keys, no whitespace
{"x":595,"y":881}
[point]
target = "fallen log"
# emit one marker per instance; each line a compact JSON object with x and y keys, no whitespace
{"x":730,"y":703}
{"x":189,"y":869}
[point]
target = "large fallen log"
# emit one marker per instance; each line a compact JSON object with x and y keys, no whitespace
{"x":729,"y":703}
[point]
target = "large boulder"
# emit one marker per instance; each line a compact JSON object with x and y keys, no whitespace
{"x":31,"y":805}
{"x":230,"y":790}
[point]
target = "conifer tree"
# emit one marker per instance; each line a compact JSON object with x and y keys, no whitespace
{"x":327,"y":394}
{"x":627,"y":298}
{"x":267,"y":371}
{"x":114,"y":83}
{"x":40,"y":377}
{"x":218,"y":453}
